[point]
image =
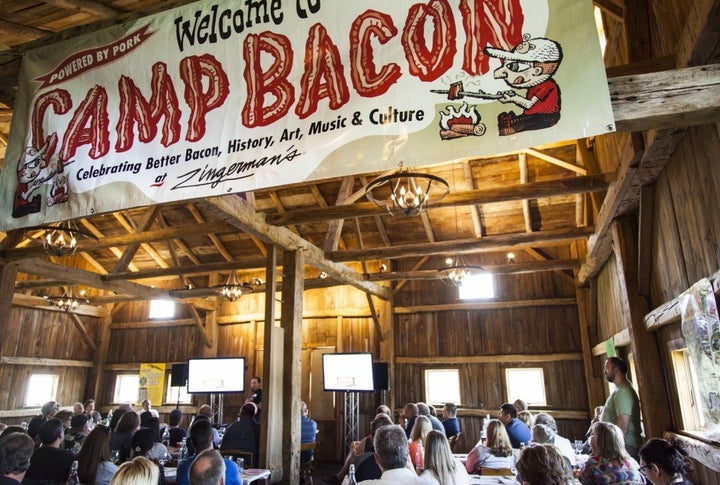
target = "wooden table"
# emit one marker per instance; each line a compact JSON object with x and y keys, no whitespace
{"x":251,"y":474}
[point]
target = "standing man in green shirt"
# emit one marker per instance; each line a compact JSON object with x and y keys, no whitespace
{"x":622,"y":408}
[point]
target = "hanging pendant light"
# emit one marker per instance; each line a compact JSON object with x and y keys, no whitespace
{"x":456,"y":271}
{"x":406,"y":192}
{"x":68,"y":301}
{"x":233,"y":289}
{"x":62,"y":239}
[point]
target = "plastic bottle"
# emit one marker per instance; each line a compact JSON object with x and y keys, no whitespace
{"x":420,"y":456}
{"x":351,"y":476}
{"x":73,"y":478}
{"x":183,"y":450}
{"x":166,"y":436}
{"x":108,"y":418}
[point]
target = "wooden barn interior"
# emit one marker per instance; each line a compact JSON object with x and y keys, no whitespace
{"x":606,"y":233}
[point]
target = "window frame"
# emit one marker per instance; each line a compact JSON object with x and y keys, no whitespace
{"x":168,"y":388}
{"x":119,"y":377}
{"x":511,"y":389}
{"x":448,"y":397}
{"x":480,"y":287}
{"x":52,"y":396}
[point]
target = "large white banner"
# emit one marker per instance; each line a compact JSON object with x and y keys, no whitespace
{"x":227,"y":96}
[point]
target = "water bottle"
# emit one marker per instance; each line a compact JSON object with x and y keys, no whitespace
{"x":241,"y":464}
{"x":166,"y":437}
{"x":72,"y":478}
{"x":351,"y":476}
{"x":420,"y":456}
{"x":183,"y":450}
{"x":108,"y":418}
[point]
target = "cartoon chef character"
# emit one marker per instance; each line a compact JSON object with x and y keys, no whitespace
{"x":530,"y":65}
{"x":32,"y":172}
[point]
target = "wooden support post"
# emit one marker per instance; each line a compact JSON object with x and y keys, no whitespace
{"x":653,"y":398}
{"x":271,"y":418}
{"x":587,"y":304}
{"x":291,"y":322}
{"x":8,"y":272}
{"x":98,"y":368}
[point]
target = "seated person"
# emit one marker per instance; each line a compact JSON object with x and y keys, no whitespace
{"x":243,"y":434}
{"x":391,"y":454}
{"x":496,"y":453}
{"x":208,"y":468}
{"x":48,"y":411}
{"x":416,"y":447}
{"x":308,"y":431}
{"x":563,"y":444}
{"x":517,"y":430}
{"x":609,"y":462}
{"x":176,"y":432}
{"x":450,"y":423}
{"x":79,"y":430}
{"x":15,"y":452}
{"x":142,"y":444}
{"x":440,"y":463}
{"x":542,"y":465}
{"x":139,"y":471}
{"x":358,"y":449}
{"x":121,"y":437}
{"x":48,"y":462}
{"x":201,"y":437}
{"x":664,"y":462}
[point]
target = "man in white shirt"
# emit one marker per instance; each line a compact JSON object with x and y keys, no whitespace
{"x":391,"y":455}
{"x":563,"y":444}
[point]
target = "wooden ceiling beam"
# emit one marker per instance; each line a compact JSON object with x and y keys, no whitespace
{"x":87,"y":6}
{"x":212,"y":236}
{"x":110,"y":241}
{"x":504,"y":242}
{"x":546,"y":188}
{"x":556,"y":161}
{"x":334,"y":232}
{"x":611,"y":9}
{"x":22,"y":31}
{"x":46,"y":269}
{"x":511,"y":268}
{"x":98,"y":234}
{"x":237,"y":212}
{"x":474,"y":209}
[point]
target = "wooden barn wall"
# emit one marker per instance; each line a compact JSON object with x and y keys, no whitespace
{"x":39,"y":341}
{"x":459,"y":335}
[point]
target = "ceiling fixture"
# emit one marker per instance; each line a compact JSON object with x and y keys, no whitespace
{"x":63,"y":239}
{"x":233,"y":289}
{"x":456,"y":271}
{"x":406,"y":192}
{"x":510,"y":258}
{"x":68,"y":301}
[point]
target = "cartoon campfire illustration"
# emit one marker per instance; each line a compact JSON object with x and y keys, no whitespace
{"x":462,"y":121}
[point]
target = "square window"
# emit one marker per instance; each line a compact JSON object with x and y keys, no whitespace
{"x":441,"y":386}
{"x":126,"y":388}
{"x":176,"y":394}
{"x":687,"y":385}
{"x":162,"y":309}
{"x":527,"y":384}
{"x":41,"y":388}
{"x":478,"y":286}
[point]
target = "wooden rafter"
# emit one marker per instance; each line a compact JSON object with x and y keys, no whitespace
{"x":546,"y":188}
{"x":238,"y":213}
{"x":503,"y":242}
{"x":95,"y":9}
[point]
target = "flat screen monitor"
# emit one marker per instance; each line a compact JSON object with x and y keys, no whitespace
{"x":348,"y":372}
{"x":216,"y":375}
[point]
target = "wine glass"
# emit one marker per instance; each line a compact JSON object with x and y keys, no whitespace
{"x":165,"y":458}
{"x":578,"y":445}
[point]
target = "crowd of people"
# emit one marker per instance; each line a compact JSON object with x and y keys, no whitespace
{"x":130,"y":447}
{"x":416,"y":449}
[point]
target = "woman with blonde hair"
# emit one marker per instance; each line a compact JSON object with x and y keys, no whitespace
{"x":609,"y":462}
{"x":439,"y":461}
{"x":542,"y":464}
{"x":416,"y":447}
{"x":139,"y":471}
{"x":527,"y":418}
{"x":497,"y":453}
